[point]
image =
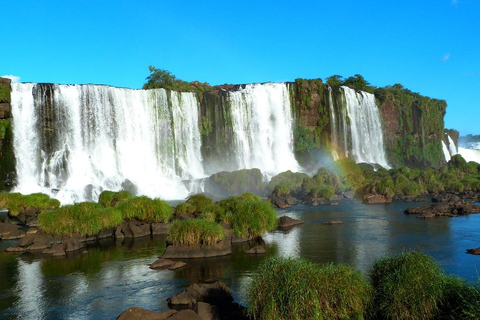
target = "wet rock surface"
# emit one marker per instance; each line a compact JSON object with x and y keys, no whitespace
{"x":451,"y":209}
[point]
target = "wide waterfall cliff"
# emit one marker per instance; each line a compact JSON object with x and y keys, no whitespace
{"x":74,"y":141}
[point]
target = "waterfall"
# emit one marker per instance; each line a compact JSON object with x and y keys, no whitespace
{"x":333,"y":125}
{"x":365,"y":127}
{"x":262,"y":126}
{"x":73,"y":141}
{"x":446,"y":152}
{"x":451,"y":146}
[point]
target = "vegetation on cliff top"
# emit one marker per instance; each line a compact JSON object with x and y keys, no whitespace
{"x":160,"y":78}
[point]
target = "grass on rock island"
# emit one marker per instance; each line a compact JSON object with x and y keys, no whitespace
{"x":195,"y":232}
{"x":15,"y":201}
{"x":80,"y":219}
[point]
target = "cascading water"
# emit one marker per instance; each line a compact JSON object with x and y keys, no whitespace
{"x":76,"y":140}
{"x":446,"y":152}
{"x":262,"y":126}
{"x":365,"y":127}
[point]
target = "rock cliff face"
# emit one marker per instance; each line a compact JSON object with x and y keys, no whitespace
{"x":412,"y":125}
{"x":7,"y":158}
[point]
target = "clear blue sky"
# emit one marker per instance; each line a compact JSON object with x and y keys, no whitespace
{"x":430,"y":46}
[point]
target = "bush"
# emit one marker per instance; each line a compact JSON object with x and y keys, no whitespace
{"x":251,"y":218}
{"x":297,"y":289}
{"x":407,"y":286}
{"x":195,"y":232}
{"x":81,"y":219}
{"x":146,"y":209}
{"x":14,"y":201}
{"x":112,"y":199}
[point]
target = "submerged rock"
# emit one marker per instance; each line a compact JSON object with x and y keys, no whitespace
{"x":333,"y":222}
{"x":256,"y":250}
{"x":136,"y":313}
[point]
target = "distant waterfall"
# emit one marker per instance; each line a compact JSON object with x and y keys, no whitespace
{"x":365,"y":127}
{"x":446,"y":152}
{"x":262,"y":126}
{"x":78,"y":140}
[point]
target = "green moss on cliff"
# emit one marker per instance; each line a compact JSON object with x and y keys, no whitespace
{"x":5,"y":94}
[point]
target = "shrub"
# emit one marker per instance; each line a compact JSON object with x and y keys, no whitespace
{"x":14,"y":201}
{"x":112,"y":199}
{"x":281,"y":190}
{"x":287,"y":288}
{"x":146,"y":209}
{"x":81,"y":219}
{"x":195,"y":232}
{"x":251,"y":218}
{"x":407,"y":286}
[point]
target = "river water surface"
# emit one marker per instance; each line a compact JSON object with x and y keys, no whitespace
{"x":111,"y":277}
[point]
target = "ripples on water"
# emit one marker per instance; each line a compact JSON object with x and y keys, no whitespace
{"x":111,"y":277}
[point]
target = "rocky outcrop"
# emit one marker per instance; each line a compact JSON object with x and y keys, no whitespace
{"x":376,"y":199}
{"x":452,"y":209}
{"x":177,"y":251}
{"x":285,"y":222}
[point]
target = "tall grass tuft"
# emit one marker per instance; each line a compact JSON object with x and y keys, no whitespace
{"x":195,"y":232}
{"x":13,"y":202}
{"x":407,"y":286}
{"x":110,"y":199}
{"x":461,"y":300}
{"x":252,"y":218}
{"x":145,"y":209}
{"x":81,"y":219}
{"x":294,"y":289}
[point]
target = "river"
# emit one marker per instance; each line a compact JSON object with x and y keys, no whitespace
{"x":110,"y":277}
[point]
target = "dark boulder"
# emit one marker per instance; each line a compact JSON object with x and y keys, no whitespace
{"x":10,"y":231}
{"x":177,"y":251}
{"x":162,"y":263}
{"x":285,"y":222}
{"x":256,"y":250}
{"x":474,"y":251}
{"x":160,"y":228}
{"x":72,"y":244}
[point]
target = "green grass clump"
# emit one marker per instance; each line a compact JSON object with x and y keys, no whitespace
{"x":287,"y":288}
{"x":15,"y":201}
{"x":195,"y":232}
{"x":407,"y":286}
{"x":461,"y":300}
{"x":250,"y":216}
{"x":110,"y":199}
{"x":81,"y":219}
{"x":145,"y":209}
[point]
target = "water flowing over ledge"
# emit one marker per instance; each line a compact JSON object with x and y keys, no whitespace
{"x":74,"y":141}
